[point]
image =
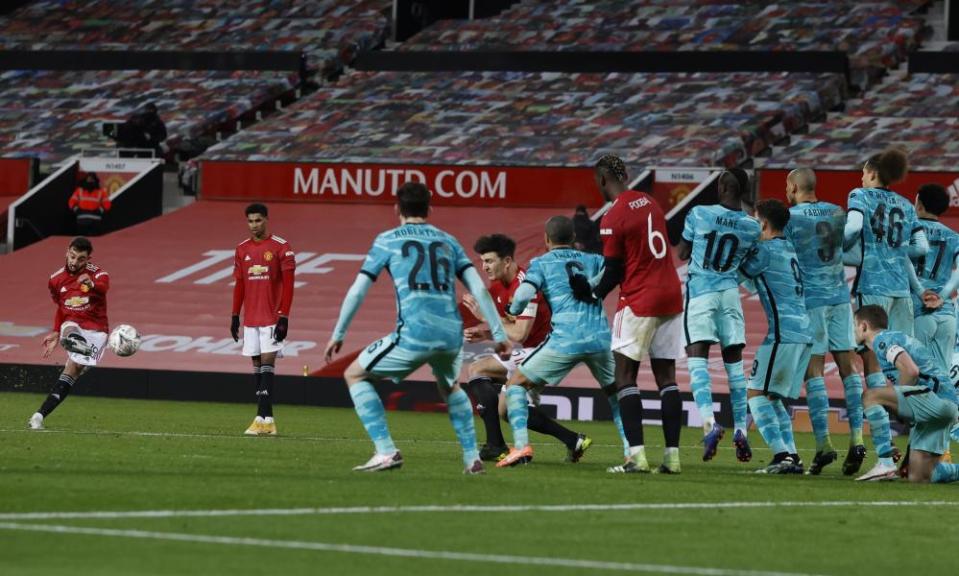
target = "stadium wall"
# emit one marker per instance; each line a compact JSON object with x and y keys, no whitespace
{"x":16,"y":175}
{"x":475,"y":186}
{"x":42,"y":211}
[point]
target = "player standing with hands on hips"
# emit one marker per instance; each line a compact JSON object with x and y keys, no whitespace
{"x":263,"y":269}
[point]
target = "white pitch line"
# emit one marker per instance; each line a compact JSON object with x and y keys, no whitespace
{"x":397,"y":552}
{"x":109,"y":514}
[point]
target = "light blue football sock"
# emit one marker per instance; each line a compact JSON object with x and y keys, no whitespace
{"x":517,"y":410}
{"x":945,"y":472}
{"x":737,"y":394}
{"x":618,"y":420}
{"x":818,"y":402}
{"x":701,"y":387}
{"x":785,"y":425}
{"x":764,"y":415}
{"x":852,"y":385}
{"x":461,"y":417}
{"x":876,"y":380}
{"x":370,"y":409}
{"x":881,"y":437}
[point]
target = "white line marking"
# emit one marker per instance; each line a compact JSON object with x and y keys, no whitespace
{"x":397,"y":552}
{"x":109,"y":514}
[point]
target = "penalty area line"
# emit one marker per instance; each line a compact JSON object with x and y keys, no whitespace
{"x":361,"y":510}
{"x":395,"y":552}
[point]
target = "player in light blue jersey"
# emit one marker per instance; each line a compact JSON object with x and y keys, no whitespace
{"x":580,"y":335}
{"x":921,"y":394}
{"x":783,"y":356}
{"x":816,"y":231}
{"x":884,"y":275}
{"x":937,"y":271}
{"x":424,"y":263}
{"x":715,"y":241}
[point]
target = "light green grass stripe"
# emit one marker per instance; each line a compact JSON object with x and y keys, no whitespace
{"x":396,"y":552}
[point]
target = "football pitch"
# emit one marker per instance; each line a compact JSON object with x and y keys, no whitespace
{"x":120,"y":487}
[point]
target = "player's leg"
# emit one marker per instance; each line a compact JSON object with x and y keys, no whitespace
{"x":944,"y":339}
{"x":446,"y":367}
{"x":817,"y":399}
{"x":876,"y":380}
{"x":77,"y":362}
{"x":732,"y":338}
{"x":665,"y":349}
{"x":380,"y":359}
{"x":517,"y":409}
{"x":264,"y":403}
{"x":701,"y":331}
{"x":875,"y":402}
{"x":483,"y":376}
{"x":251,"y":349}
{"x":625,"y":403}
{"x":764,"y":391}
{"x":61,"y":389}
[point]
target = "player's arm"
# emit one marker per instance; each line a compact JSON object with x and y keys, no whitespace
{"x":351,"y":305}
{"x":521,"y":297}
{"x":689,"y":232}
{"x":287,"y":281}
{"x":953,"y":283}
{"x":908,"y":371}
{"x":471,"y":279}
{"x":854,"y":222}
{"x":238,"y":293}
{"x":918,"y":242}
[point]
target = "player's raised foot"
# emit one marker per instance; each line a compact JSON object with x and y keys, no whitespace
{"x":879,"y":473}
{"x":255,"y":427}
{"x":743,"y":452}
{"x":821,"y":460}
{"x":493,"y":453}
{"x":77,"y":344}
{"x":631,"y":466}
{"x":517,"y":456}
{"x":854,"y":459}
{"x":475,"y":468}
{"x":711,"y":441}
{"x":575,"y":453}
{"x":381,"y":462}
{"x":35,"y":422}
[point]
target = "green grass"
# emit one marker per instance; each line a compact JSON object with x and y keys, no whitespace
{"x":95,"y":457}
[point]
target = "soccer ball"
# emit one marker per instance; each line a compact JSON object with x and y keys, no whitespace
{"x":124,"y":340}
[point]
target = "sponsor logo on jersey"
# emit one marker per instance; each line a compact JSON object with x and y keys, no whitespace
{"x":258,"y":270}
{"x":76,"y":301}
{"x":605,"y":231}
{"x":247,"y":259}
{"x":267,"y":255}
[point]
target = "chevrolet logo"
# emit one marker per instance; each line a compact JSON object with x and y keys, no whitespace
{"x":258,"y":270}
{"x":76,"y":301}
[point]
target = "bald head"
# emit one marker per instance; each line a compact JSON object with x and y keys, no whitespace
{"x":804,"y":179}
{"x":560,"y":230}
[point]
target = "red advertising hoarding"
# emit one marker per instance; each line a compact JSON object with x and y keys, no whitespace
{"x":834,"y":185}
{"x":15,"y":176}
{"x":477,"y":186}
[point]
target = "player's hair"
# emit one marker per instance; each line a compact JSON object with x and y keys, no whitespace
{"x":502,"y":244}
{"x":413,"y":199}
{"x":774,"y":212}
{"x":804,"y":179}
{"x":257,"y":208}
{"x":613,"y":168}
{"x":874,"y":316}
{"x":934,"y":198}
{"x":560,"y":230}
{"x":892,"y":165}
{"x":735,"y":180}
{"x":82,"y":244}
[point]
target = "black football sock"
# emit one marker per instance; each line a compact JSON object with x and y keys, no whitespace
{"x":540,"y":422}
{"x":631,"y":411}
{"x":672,"y":414}
{"x":486,"y":394}
{"x":265,"y":398}
{"x":59,"y":393}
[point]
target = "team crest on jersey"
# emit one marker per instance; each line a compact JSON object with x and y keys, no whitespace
{"x":84,"y":288}
{"x":267,"y":255}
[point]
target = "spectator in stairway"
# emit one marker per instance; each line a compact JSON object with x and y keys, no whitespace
{"x":587,"y":232}
{"x":89,"y":203}
{"x":144,"y":129}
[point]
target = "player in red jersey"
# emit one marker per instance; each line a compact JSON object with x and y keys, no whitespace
{"x":649,"y":314}
{"x":79,"y":290}
{"x":263,"y":268}
{"x":486,"y":375}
